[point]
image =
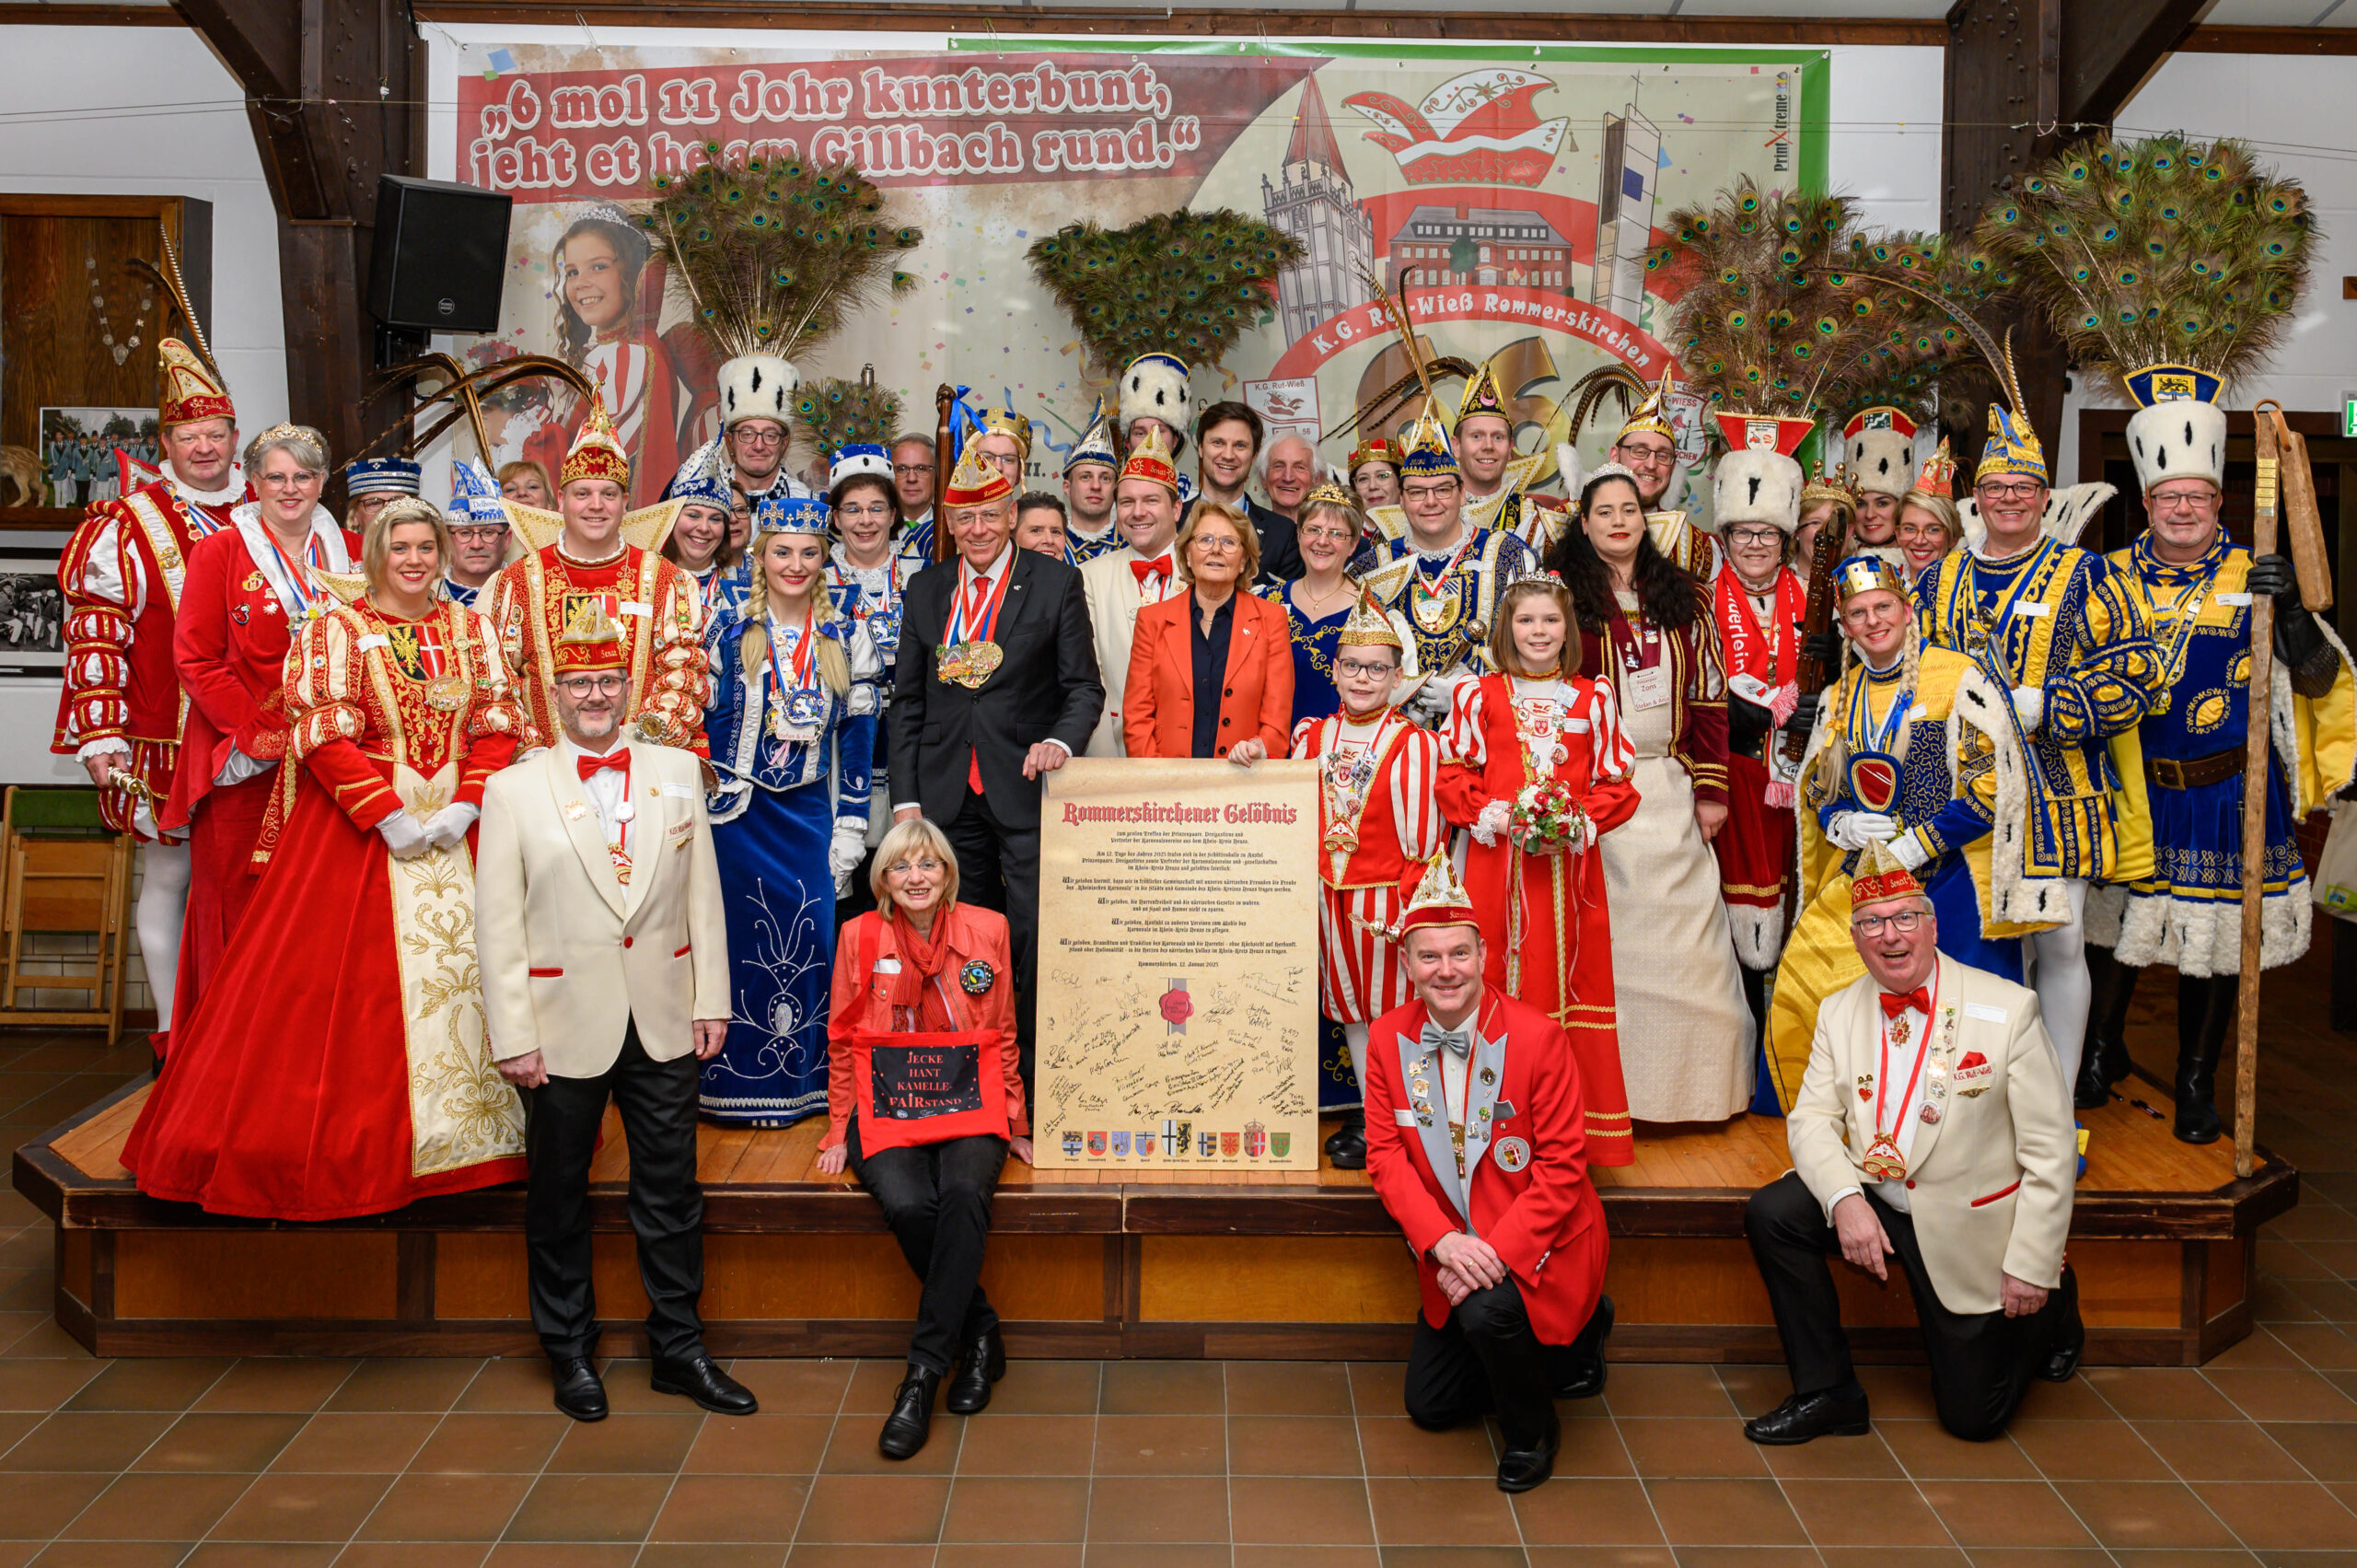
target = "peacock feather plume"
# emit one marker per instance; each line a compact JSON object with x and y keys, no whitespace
{"x":1791,"y":307}
{"x":1185,"y":284}
{"x":773,"y":254}
{"x":835,"y":413}
{"x":2161,"y":252}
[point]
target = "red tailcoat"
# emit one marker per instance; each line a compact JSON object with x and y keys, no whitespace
{"x":124,"y":574}
{"x":1543,"y":1217}
{"x":656,"y":606}
{"x":1544,"y":916}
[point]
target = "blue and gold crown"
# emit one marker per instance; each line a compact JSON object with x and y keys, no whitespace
{"x":2013,"y":448}
{"x":703,"y":478}
{"x":1867,"y":574}
{"x":791,"y":514}
{"x":383,"y":476}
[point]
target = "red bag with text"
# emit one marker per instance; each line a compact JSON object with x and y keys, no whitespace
{"x":926,"y":1088}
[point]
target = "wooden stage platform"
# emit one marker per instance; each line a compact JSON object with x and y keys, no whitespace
{"x":2164,"y":1237}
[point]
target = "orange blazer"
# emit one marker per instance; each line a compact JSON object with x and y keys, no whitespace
{"x":1255,"y":701}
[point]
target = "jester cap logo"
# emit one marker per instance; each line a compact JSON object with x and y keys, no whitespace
{"x":2169,"y":386}
{"x":1760,"y":435}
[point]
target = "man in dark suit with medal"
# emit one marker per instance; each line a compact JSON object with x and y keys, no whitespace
{"x":1478,"y":1146}
{"x":996,"y":684}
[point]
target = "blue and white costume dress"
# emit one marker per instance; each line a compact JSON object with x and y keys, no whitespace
{"x":793,"y":753}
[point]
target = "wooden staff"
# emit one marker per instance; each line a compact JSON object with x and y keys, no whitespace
{"x":944,"y":398}
{"x":2261,"y":703}
{"x":1812,"y":676}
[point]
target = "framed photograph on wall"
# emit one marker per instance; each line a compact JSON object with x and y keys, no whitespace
{"x":78,"y":452}
{"x":33,"y":614}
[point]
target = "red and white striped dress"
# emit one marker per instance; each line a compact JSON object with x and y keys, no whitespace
{"x":1545,"y":917}
{"x":1376,"y":812}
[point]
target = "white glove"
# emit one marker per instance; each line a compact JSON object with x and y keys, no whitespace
{"x":2029,"y":703}
{"x":1491,"y":825}
{"x":1909,"y":851}
{"x":1856,"y":829}
{"x":404,"y":835}
{"x":447,"y":829}
{"x":847,"y":850}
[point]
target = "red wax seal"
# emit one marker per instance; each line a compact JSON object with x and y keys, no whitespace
{"x":1177,"y":1006}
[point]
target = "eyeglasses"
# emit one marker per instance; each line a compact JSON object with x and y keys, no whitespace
{"x":1429,"y":491}
{"x":910,"y":470}
{"x":1755,"y":536}
{"x":1360,"y":669}
{"x":903,"y":867}
{"x":874,"y":509}
{"x":745,"y":437}
{"x":2182,"y":501}
{"x":1645,"y":456}
{"x":578,"y":686}
{"x":1904,"y":922}
{"x":2021,"y":492}
{"x":1212,"y":544}
{"x":1339,"y":536}
{"x":288,"y":480}
{"x":479,"y":534}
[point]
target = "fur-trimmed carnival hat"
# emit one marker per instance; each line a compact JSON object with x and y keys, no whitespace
{"x":2177,"y":431}
{"x":758,"y":386}
{"x":1153,"y":385}
{"x":1758,"y":480}
{"x":1879,"y":445}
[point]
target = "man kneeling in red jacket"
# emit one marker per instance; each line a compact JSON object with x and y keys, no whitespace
{"x":1476,"y":1143}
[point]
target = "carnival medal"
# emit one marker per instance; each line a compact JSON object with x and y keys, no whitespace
{"x":974,"y":977}
{"x":798,"y":715}
{"x":969,"y":664}
{"x":447,"y":694}
{"x":1883,"y":1161}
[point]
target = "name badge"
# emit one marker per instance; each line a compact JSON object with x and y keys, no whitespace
{"x":887,"y":965}
{"x":1575,"y":726}
{"x":1403,"y":1118}
{"x":632,"y":607}
{"x":677,"y":791}
{"x":1649,"y":688}
{"x":373,"y":640}
{"x":2033,"y":608}
{"x":2233,"y":598}
{"x":1985,"y":1013}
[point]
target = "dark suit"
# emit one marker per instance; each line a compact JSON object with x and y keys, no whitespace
{"x":1280,"y":549}
{"x":1046,"y":687}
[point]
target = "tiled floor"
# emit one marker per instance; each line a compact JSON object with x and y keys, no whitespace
{"x":1158,"y":1465}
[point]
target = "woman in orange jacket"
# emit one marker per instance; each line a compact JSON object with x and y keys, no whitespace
{"x":1211,"y":671}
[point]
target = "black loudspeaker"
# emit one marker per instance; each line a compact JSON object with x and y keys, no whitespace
{"x":441,"y":252}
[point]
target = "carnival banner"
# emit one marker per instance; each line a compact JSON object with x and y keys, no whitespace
{"x":1522,"y":188}
{"x":1178,"y":968}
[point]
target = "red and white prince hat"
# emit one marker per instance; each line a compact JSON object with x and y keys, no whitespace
{"x":1430,"y":895}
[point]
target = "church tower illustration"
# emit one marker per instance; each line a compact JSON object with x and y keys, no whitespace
{"x":1315,"y":203}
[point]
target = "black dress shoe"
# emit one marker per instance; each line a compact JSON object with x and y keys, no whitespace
{"x":2064,"y":1359}
{"x":1521,"y":1468}
{"x":985,"y":1364}
{"x":1347,"y":1148}
{"x":579,"y":1392}
{"x":1804,"y":1418}
{"x":911,"y":1422}
{"x":695,"y":1377}
{"x":1582,"y":1367}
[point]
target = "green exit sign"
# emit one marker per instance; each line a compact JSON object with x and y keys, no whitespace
{"x":2349,"y":416}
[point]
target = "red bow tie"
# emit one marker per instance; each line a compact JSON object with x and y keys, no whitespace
{"x":617,"y":759}
{"x":1892,"y":1007}
{"x":1144,"y":569}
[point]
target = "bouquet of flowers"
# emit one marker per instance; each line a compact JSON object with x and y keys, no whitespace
{"x":1546,"y":818}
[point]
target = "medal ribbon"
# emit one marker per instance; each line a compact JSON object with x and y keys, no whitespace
{"x":1877,"y":737}
{"x":298,"y":578}
{"x":805,"y":653}
{"x":2193,"y":583}
{"x":1924,"y":1054}
{"x":2005,"y":611}
{"x":983,"y":619}
{"x":1439,"y":590}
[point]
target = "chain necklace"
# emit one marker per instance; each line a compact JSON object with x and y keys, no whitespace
{"x":121,"y":351}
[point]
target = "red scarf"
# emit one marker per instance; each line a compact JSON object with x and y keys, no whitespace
{"x":921,"y":963}
{"x":1771,"y":655}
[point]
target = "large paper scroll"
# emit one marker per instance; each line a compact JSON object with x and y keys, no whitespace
{"x":1177,"y":970}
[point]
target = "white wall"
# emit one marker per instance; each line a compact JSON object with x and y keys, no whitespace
{"x":143,"y":112}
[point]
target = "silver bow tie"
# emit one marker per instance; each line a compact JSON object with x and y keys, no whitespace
{"x":1457,"y":1042}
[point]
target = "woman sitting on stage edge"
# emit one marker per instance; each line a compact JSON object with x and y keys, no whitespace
{"x":924,"y":964}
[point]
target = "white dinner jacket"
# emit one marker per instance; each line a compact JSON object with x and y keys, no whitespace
{"x":1990,"y":1183}
{"x":1113,"y":606}
{"x":570,"y":956}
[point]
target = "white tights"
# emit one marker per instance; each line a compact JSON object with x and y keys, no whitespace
{"x":2058,"y":972}
{"x":163,"y":905}
{"x":1356,"y":1037}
